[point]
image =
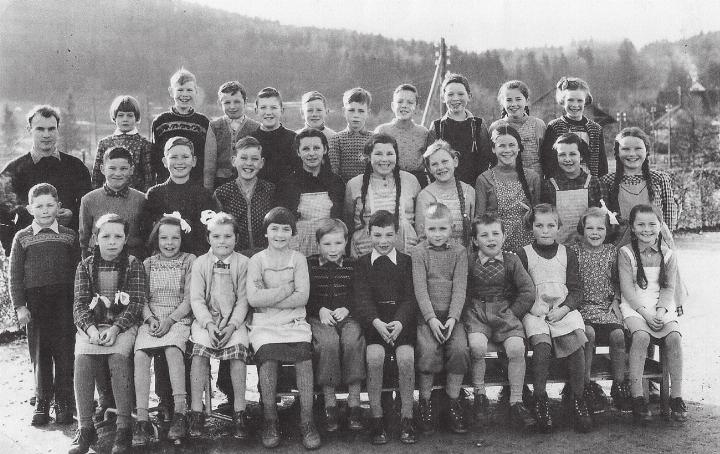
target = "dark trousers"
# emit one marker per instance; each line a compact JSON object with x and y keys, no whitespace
{"x":51,"y":339}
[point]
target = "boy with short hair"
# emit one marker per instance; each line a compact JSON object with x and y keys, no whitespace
{"x":180,"y":120}
{"x":440,"y":281}
{"x":42,"y":263}
{"x":276,"y":140}
{"x":314,"y":112}
{"x":346,"y":147}
{"x":180,"y":193}
{"x":338,"y":343}
{"x":385,"y":304}
{"x":223,"y":134}
{"x":125,"y":113}
{"x":116,"y":196}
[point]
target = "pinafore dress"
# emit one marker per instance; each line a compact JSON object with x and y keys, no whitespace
{"x":512,"y":207}
{"x":313,"y":208}
{"x":571,"y":205}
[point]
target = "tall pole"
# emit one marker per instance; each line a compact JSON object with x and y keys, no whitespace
{"x":433,"y":86}
{"x":443,"y":70}
{"x":669,"y":111}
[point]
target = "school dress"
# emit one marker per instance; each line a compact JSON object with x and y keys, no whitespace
{"x":450,"y":198}
{"x":500,"y":292}
{"x":648,"y":297}
{"x":169,"y":281}
{"x":549,"y":276}
{"x":381,"y":196}
{"x":218,"y":296}
{"x":280,"y":334}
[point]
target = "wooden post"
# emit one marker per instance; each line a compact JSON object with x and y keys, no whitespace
{"x":443,"y":70}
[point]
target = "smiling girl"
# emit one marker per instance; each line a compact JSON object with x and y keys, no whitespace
{"x":441,"y":162}
{"x":466,"y":133}
{"x":507,"y":190}
{"x":383,"y":186}
{"x":312,"y":193}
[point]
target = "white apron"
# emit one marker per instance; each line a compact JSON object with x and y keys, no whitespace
{"x":571,"y":205}
{"x":314,"y":207}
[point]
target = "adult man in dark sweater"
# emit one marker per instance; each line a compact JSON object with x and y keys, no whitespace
{"x":43,"y":164}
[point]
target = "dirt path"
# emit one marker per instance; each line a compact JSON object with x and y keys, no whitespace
{"x":614,"y":433}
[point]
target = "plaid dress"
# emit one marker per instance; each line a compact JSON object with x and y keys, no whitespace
{"x":167,"y":292}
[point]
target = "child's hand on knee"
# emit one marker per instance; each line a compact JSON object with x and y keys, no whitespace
{"x":23,"y":315}
{"x":557,"y":314}
{"x":449,"y":326}
{"x":436,"y":327}
{"x":164,"y":327}
{"x":382,"y":329}
{"x":213,"y":333}
{"x":327,"y":317}
{"x":394,"y":328}
{"x":340,"y":314}
{"x":109,"y":336}
{"x":94,"y":335}
{"x":225,"y":334}
{"x":153,"y":324}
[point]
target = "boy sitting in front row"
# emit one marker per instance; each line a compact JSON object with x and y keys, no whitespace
{"x":440,"y":278}
{"x":42,"y":259}
{"x":338,"y":343}
{"x":116,"y":196}
{"x":385,"y":304}
{"x":500,"y":292}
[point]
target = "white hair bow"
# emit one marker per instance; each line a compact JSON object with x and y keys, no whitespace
{"x":206,"y":216}
{"x":612,"y":216}
{"x":121,"y":299}
{"x":183,"y":223}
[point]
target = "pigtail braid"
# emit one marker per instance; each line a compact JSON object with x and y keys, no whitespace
{"x":614,"y":189}
{"x":463,"y":213}
{"x":663,"y":273}
{"x":640,"y":273}
{"x":521,"y":176}
{"x":648,"y":180}
{"x":364,"y":190}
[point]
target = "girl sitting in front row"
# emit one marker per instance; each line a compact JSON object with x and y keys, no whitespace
{"x":597,"y":260}
{"x":278,"y":290}
{"x":646,"y":269}
{"x":110,"y":292}
{"x":167,"y":317}
{"x":219,"y":303}
{"x":553,"y":321}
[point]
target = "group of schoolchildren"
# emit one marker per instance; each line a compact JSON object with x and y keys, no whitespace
{"x":456,"y":239}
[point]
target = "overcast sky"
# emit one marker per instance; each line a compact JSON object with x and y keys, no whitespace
{"x":477,"y":25}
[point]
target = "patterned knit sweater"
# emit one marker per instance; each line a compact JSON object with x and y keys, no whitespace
{"x":440,"y":280}
{"x":143,"y":176}
{"x":346,"y":153}
{"x":38,"y":260}
{"x":412,"y":141}
{"x":220,"y":148}
{"x":331,"y":285}
{"x":231,"y":199}
{"x":193,"y":126}
{"x":277,"y":149}
{"x":598,"y":164}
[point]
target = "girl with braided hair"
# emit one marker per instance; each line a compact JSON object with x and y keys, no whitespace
{"x":382,"y":186}
{"x":441,"y":161}
{"x":507,"y":190}
{"x":110,"y":293}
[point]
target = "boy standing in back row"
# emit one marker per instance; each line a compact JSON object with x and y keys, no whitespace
{"x":346,"y":147}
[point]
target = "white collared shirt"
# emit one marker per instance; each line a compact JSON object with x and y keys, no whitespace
{"x":36,"y":228}
{"x":484,"y":259}
{"x":226,"y":260}
{"x":129,"y":133}
{"x":392,"y":255}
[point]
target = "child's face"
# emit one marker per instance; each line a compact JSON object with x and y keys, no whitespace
{"x":383,"y":238}
{"x":269,"y":112}
{"x":514,"y":103}
{"x":111,"y":240}
{"x":646,"y":228}
{"x":44,"y":209}
{"x":356,"y":114}
{"x":404,"y":104}
{"x":278,"y":235}
{"x":456,"y":98}
{"x":595,"y":231}
{"x":117,"y":173}
{"x":632,"y":154}
{"x":545,"y":228}
{"x":568,"y":157}
{"x":179,"y":160}
{"x":314,"y":113}
{"x":125,"y":121}
{"x":248,"y":162}
{"x":311,"y":152}
{"x":169,"y":240}
{"x":574,"y":103}
{"x":489,"y":239}
{"x":506,"y":149}
{"x":232,"y":105}
{"x":383,"y":159}
{"x":332,"y":246}
{"x":442,"y":165}
{"x":438,"y":231}
{"x":44,"y":132}
{"x":222,"y":240}
{"x":184,"y":96}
